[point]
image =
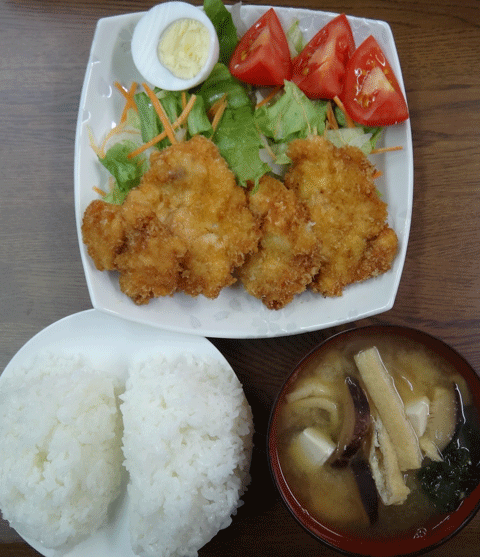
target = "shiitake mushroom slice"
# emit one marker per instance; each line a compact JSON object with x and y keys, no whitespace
{"x":366,"y":487}
{"x":356,"y":424}
{"x":445,"y":419}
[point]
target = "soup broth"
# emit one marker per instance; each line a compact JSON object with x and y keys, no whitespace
{"x":357,"y":481}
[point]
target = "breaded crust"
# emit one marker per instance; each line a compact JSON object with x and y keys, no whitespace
{"x":289,"y":252}
{"x":189,"y":227}
{"x":130,"y":239}
{"x":195,"y":195}
{"x":350,"y":220}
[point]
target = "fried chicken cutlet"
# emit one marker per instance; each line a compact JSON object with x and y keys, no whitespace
{"x":349,"y":218}
{"x":195,"y":195}
{"x":289,"y":252}
{"x":130,"y":239}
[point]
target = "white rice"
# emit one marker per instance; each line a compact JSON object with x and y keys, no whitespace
{"x":187,"y":444}
{"x":60,"y":450}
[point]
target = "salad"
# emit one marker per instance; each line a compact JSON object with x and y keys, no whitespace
{"x":266,"y":90}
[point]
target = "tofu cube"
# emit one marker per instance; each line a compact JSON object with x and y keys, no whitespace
{"x":417,"y":412}
{"x":312,"y":447}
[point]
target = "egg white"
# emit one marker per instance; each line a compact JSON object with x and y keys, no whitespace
{"x":145,"y":40}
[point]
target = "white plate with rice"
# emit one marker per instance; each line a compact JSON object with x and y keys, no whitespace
{"x":234,"y":314}
{"x":130,"y":353}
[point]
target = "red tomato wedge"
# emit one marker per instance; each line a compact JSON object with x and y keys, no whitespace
{"x":262,"y":56}
{"x":319,"y":70}
{"x":371,"y":94}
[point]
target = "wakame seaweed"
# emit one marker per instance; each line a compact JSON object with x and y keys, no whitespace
{"x":448,"y":482}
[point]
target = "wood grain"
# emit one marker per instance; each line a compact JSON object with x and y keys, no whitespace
{"x":44,"y":50}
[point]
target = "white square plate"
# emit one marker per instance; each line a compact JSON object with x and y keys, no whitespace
{"x":235,"y":314}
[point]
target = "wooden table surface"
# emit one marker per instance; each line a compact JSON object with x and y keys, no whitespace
{"x":44,"y":48}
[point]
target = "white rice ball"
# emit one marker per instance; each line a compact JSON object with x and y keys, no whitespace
{"x":187,"y":445}
{"x":60,"y":450}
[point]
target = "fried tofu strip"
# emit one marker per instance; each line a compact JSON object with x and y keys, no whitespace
{"x":381,"y":389}
{"x":386,"y":472}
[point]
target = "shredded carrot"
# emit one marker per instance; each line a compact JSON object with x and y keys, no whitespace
{"x":157,"y":105}
{"x":129,"y":96}
{"x":111,"y":185}
{"x":184,"y":100}
{"x":185,"y":112}
{"x":93,"y":145}
{"x":216,"y":106}
{"x":270,"y":96}
{"x":219,"y":114}
{"x":332,"y":121}
{"x":377,"y":174}
{"x":99,"y":191}
{"x":117,"y":129}
{"x":100,"y":149}
{"x":386,"y":150}
{"x":216,"y":110}
{"x":178,"y":122}
{"x":350,"y":122}
{"x":147,"y":145}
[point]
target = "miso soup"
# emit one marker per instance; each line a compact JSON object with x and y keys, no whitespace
{"x":378,"y":436}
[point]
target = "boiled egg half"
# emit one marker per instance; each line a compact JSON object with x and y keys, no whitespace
{"x":175,"y":46}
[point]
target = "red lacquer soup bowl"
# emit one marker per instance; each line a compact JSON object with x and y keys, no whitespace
{"x":299,"y":449}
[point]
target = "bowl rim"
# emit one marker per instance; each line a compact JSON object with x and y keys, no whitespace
{"x":344,"y":543}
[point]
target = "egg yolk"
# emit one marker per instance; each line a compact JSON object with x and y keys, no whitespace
{"x":183,"y":47}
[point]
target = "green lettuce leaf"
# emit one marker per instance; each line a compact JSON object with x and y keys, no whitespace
{"x":295,"y":40}
{"x":292,"y":116}
{"x":126,"y":172}
{"x":239,"y":143}
{"x":355,"y":137}
{"x":171,"y":102}
{"x":236,"y":136}
{"x":150,"y":125}
{"x":373,"y":132}
{"x":224,"y":26}
{"x":221,"y":82}
{"x":197,"y":121}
